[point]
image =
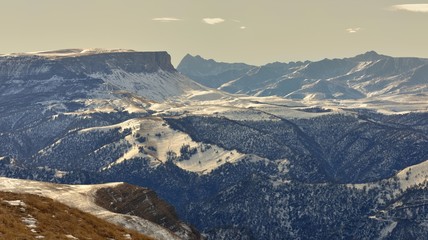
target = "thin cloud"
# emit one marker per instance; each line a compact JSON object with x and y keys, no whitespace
{"x":213,"y":21}
{"x":166,"y":19}
{"x":420,"y":8}
{"x":243,"y":27}
{"x":353,"y":30}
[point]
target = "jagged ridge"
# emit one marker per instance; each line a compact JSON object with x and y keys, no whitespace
{"x":365,"y":75}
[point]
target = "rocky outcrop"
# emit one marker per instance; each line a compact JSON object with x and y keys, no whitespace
{"x":34,"y":67}
{"x":132,"y":62}
{"x":144,"y":203}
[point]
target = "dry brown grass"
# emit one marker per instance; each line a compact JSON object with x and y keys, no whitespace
{"x":54,"y":221}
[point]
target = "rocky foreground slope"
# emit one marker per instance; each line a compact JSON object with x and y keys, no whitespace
{"x":28,"y":216}
{"x":147,"y":214}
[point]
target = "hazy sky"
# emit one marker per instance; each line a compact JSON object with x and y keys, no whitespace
{"x":252,"y":31}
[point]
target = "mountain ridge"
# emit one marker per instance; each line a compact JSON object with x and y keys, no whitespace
{"x":235,"y":166}
{"x":150,"y":74}
{"x":359,"y":77}
{"x":210,"y":67}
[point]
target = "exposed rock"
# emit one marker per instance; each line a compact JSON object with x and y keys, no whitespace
{"x":144,"y":203}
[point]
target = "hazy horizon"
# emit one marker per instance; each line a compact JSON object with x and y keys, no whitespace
{"x":252,"y":31}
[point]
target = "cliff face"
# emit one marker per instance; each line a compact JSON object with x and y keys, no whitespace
{"x":35,"y":67}
{"x":132,"y":62}
{"x":32,"y":68}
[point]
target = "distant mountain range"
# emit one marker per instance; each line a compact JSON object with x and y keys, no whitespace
{"x":363,"y":76}
{"x":316,"y":150}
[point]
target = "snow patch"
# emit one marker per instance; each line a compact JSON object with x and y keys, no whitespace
{"x":30,"y":222}
{"x":406,"y":178}
{"x":205,"y":162}
{"x":73,"y":52}
{"x":361,"y":66}
{"x":69,"y":236}
{"x":387,"y":230}
{"x":153,"y":138}
{"x":128,"y":124}
{"x":15,"y":203}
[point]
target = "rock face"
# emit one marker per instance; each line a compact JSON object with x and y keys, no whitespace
{"x":144,"y":203}
{"x":131,"y":62}
{"x":33,"y":67}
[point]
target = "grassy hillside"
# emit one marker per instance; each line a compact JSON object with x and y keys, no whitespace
{"x":26,"y":216}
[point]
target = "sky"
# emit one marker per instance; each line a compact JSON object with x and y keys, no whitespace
{"x":251,"y":31}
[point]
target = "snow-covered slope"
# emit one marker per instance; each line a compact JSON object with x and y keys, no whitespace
{"x":98,"y":72}
{"x":403,"y":180}
{"x":151,"y":138}
{"x":364,"y":78}
{"x":250,"y":164}
{"x":82,"y":197}
{"x":158,"y":86}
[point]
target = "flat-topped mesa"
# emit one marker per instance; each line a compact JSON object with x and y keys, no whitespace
{"x":132,"y":62}
{"x":76,"y":74}
{"x":70,"y":63}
